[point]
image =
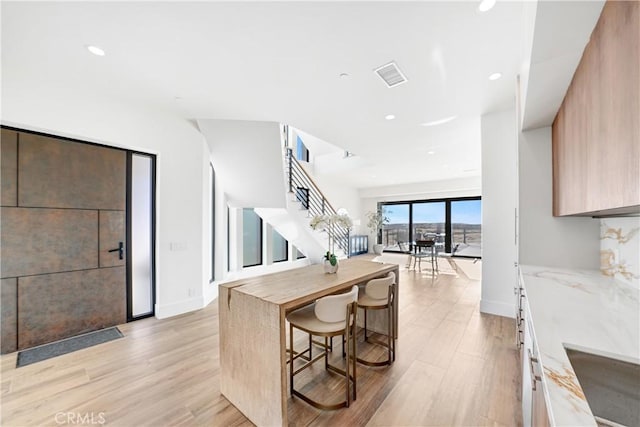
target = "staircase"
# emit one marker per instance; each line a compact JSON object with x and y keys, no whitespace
{"x":286,"y":196}
{"x":310,"y":197}
{"x":305,"y":200}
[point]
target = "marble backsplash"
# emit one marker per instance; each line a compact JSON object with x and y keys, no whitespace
{"x":620,"y":248}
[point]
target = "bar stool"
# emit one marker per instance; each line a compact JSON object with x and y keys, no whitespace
{"x":379,"y":295}
{"x":329,"y":316}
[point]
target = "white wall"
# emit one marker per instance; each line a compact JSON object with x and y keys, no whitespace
{"x":340,"y":196}
{"x":181,"y":173}
{"x":499,"y":186}
{"x":571,"y":242}
{"x":248,"y":160}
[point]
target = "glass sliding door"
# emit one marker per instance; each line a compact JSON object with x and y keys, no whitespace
{"x":466,"y":228}
{"x":395,"y":233}
{"x":454,"y":224}
{"x":428,"y":221}
{"x":141,"y":228}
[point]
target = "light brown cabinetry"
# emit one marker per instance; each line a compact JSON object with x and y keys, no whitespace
{"x":596,"y":133}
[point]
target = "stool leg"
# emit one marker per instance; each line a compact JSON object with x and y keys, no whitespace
{"x":348,"y":382}
{"x":393,"y":338}
{"x":353,"y":359}
{"x":291,"y":360}
{"x":389,"y":332}
{"x":365,"y":324}
{"x":310,"y":345}
{"x":326,"y":353}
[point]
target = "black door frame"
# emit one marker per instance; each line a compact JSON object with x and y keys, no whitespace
{"x":130,"y":316}
{"x":129,"y":154}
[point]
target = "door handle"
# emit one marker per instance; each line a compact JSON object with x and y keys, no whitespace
{"x":119,"y":249}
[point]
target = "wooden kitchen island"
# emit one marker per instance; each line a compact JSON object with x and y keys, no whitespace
{"x":253,"y":368}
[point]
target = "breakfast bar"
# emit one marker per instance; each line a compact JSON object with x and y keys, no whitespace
{"x":253,"y":369}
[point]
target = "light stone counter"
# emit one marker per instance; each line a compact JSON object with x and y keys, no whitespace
{"x":585,"y":310}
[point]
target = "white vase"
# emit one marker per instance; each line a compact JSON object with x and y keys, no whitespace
{"x":330,"y":269}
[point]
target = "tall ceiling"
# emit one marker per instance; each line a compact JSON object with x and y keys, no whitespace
{"x":282,"y":62}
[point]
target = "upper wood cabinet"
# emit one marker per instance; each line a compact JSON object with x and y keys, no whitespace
{"x":596,"y":133}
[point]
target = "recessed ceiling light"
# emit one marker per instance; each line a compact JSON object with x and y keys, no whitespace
{"x":495,"y":76}
{"x":389,"y":117}
{"x":440,"y":121}
{"x":431,"y":152}
{"x":486,"y":5}
{"x":344,"y":75}
{"x":95,"y":50}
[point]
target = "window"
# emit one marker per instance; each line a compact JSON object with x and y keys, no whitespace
{"x":466,"y":228}
{"x":455,"y":225}
{"x":428,"y":220}
{"x":297,"y":254}
{"x":302,"y":196}
{"x":251,"y":238}
{"x":280,"y":247}
{"x":395,"y":233}
{"x":302,"y":153}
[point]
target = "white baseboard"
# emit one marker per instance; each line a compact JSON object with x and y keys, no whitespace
{"x":211,"y":293}
{"x":498,"y":308}
{"x":180,"y":307}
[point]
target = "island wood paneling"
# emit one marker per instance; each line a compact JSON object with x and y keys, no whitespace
{"x":251,"y":357}
{"x":54,"y":173}
{"x":37,"y":241}
{"x":9,"y":167}
{"x":9,"y":314}
{"x":596,"y":133}
{"x":55,"y":306}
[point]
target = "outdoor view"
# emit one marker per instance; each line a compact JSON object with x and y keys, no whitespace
{"x":466,"y":216}
{"x":427,"y":221}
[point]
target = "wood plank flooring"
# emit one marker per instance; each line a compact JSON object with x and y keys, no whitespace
{"x":455,"y":366}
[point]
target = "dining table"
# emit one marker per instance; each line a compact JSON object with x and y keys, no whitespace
{"x":252,"y":326}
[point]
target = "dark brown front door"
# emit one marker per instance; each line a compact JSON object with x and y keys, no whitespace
{"x":62,"y":227}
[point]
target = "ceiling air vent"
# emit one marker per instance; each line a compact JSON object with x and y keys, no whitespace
{"x":391,"y":74}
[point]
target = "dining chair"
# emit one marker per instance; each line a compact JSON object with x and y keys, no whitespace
{"x":424,"y":249}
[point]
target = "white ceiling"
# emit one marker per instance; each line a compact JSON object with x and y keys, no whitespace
{"x":281,"y":62}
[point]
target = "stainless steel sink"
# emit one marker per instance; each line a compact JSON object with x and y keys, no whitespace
{"x":611,"y":386}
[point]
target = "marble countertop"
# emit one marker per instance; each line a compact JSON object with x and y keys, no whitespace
{"x":585,"y":310}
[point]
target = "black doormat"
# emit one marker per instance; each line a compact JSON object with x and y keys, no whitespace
{"x":68,"y":345}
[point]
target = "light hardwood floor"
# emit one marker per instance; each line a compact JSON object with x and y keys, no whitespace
{"x":455,"y":366}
